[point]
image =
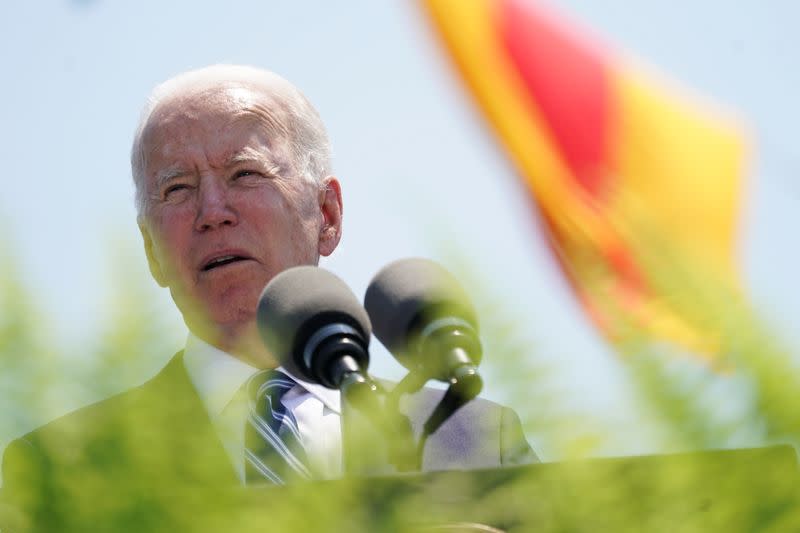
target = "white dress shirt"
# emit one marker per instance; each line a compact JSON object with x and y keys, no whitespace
{"x":218,"y":376}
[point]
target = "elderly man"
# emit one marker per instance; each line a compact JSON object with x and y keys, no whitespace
{"x":233,"y":185}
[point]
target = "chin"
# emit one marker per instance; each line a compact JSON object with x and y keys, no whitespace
{"x":232,"y":329}
{"x":222,"y":316}
{"x":228,"y":312}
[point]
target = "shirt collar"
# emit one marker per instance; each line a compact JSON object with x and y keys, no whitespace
{"x":217,"y":376}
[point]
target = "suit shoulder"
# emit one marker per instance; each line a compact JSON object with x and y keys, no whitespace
{"x":96,"y":422}
{"x":30,"y":463}
{"x":86,"y":421}
{"x":85,"y":417}
{"x":482,"y":433}
{"x":75,"y":436}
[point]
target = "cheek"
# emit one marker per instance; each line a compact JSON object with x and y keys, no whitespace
{"x":282,"y":210}
{"x":293,"y":227}
{"x":306,"y":240}
{"x":305,"y":221}
{"x":170,"y":244}
{"x":303,"y":204}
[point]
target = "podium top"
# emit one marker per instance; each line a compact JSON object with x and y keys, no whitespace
{"x":730,"y":490}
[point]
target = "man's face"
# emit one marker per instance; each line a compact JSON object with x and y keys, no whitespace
{"x":226,"y":210}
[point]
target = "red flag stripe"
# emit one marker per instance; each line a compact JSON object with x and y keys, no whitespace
{"x":569,"y":83}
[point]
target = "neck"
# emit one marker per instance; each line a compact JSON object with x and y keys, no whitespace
{"x":244,"y":344}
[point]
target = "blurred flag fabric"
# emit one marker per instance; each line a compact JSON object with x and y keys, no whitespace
{"x":620,"y":162}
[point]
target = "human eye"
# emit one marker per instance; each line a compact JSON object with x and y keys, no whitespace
{"x":175,"y":191}
{"x":249,"y":176}
{"x":244,"y":173}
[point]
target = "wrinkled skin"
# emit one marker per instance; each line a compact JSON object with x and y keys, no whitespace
{"x":221,"y":186}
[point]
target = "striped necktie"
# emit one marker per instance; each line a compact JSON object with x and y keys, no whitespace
{"x":273,"y":449}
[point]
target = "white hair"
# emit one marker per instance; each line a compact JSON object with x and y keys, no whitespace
{"x":308,"y":139}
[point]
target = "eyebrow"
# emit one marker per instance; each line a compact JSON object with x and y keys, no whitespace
{"x":251,"y":155}
{"x":178,"y":171}
{"x":245,"y":155}
{"x":169,"y":174}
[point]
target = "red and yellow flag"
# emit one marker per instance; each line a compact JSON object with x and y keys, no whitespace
{"x":619,"y":162}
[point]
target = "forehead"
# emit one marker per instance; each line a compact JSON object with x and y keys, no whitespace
{"x":214,"y":124}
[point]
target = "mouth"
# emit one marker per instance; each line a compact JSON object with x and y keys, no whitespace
{"x":221,"y":261}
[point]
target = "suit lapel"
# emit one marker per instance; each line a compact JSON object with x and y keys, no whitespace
{"x":184,"y":441}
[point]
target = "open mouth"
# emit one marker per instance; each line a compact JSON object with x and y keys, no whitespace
{"x":222,"y":261}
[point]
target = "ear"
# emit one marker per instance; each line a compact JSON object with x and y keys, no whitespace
{"x":152,"y":262}
{"x":330,"y":205}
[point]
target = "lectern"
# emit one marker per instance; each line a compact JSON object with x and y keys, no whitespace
{"x":730,"y":491}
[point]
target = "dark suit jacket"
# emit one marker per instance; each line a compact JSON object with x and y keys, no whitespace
{"x":140,"y":450}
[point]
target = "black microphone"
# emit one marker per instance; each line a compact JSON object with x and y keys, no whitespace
{"x":423,"y":316}
{"x":312,"y":322}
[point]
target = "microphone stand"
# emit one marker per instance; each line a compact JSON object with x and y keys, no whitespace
{"x":464,"y":385}
{"x":381,"y":409}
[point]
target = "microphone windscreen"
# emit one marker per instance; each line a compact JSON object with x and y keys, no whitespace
{"x":406,"y":290}
{"x":299,"y":301}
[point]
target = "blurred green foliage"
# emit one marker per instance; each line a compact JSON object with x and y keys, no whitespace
{"x":42,"y":377}
{"x":746,"y":398}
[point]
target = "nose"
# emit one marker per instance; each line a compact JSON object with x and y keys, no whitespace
{"x":214,"y":209}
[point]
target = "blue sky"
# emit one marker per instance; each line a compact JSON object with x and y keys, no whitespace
{"x":420,"y":173}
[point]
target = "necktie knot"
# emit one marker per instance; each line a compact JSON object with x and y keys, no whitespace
{"x":265,"y":390}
